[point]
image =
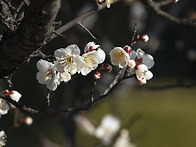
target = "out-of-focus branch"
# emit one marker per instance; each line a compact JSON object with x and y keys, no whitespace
{"x":79,"y":19}
{"x":156,"y":7}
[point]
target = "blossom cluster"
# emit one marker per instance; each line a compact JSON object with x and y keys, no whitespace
{"x":4,"y":107}
{"x":106,"y":131}
{"x":137,"y":61}
{"x":69,"y":62}
{"x":2,"y":138}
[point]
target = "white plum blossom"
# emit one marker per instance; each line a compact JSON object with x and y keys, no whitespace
{"x":143,"y":74}
{"x":4,"y":107}
{"x":140,"y":57}
{"x":119,"y":57}
{"x":143,"y":63}
{"x":84,"y":124}
{"x":91,"y":46}
{"x":123,"y":140}
{"x":68,"y":59}
{"x":108,"y":128}
{"x":93,"y":55}
{"x":91,"y":62}
{"x":2,"y":138}
{"x":47,"y":74}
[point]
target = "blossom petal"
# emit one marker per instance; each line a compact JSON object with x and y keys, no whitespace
{"x":43,"y":65}
{"x":3,"y":107}
{"x":73,"y":49}
{"x":148,"y":75}
{"x":101,"y":56}
{"x":140,"y":53}
{"x":148,"y":60}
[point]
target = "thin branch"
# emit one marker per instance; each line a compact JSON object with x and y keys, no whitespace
{"x":79,"y":19}
{"x":156,"y":8}
{"x":164,"y":3}
{"x":134,"y":34}
{"x":86,"y":29}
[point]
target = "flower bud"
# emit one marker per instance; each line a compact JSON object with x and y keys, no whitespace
{"x":97,"y":75}
{"x":15,"y":95}
{"x":27,"y":121}
{"x":106,"y":68}
{"x":144,"y":38}
{"x":175,"y":1}
{"x":131,"y":63}
{"x":127,"y":48}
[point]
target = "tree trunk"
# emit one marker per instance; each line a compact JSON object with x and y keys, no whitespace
{"x":31,"y":34}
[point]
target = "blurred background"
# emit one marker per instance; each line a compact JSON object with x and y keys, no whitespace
{"x":161,"y":113}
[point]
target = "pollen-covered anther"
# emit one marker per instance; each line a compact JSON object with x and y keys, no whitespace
{"x":144,"y":38}
{"x":97,"y":75}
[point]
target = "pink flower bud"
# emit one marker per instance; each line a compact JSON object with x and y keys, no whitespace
{"x":144,"y":38}
{"x":15,"y":95}
{"x":27,"y":121}
{"x":127,"y":48}
{"x":97,"y":75}
{"x":106,"y":68}
{"x":175,"y":1}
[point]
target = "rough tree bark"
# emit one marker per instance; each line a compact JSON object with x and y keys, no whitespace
{"x":33,"y":31}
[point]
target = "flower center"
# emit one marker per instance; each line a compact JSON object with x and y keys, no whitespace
{"x":48,"y":75}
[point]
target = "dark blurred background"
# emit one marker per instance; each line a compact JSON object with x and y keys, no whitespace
{"x":166,"y":103}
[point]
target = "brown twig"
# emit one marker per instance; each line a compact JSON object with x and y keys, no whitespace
{"x":86,"y":29}
{"x":79,"y":19}
{"x":156,"y":8}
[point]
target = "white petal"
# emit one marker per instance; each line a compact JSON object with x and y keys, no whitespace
{"x":141,"y":69}
{"x":59,"y":53}
{"x":148,"y":75}
{"x":140,"y":53}
{"x":52,"y":85}
{"x":43,"y":65}
{"x":88,"y":45}
{"x":131,"y":63}
{"x":65,"y":76}
{"x":3,"y":107}
{"x":73,"y":49}
{"x":41,"y":77}
{"x":132,"y":54}
{"x":101,"y":56}
{"x":142,"y":80}
{"x":15,"y":95}
{"x":148,"y":60}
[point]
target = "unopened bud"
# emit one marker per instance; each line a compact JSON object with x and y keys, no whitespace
{"x":106,"y":68}
{"x":144,"y":38}
{"x":127,"y":48}
{"x":175,"y":1}
{"x":97,"y":75}
{"x":27,"y":121}
{"x":15,"y":95}
{"x":131,"y":63}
